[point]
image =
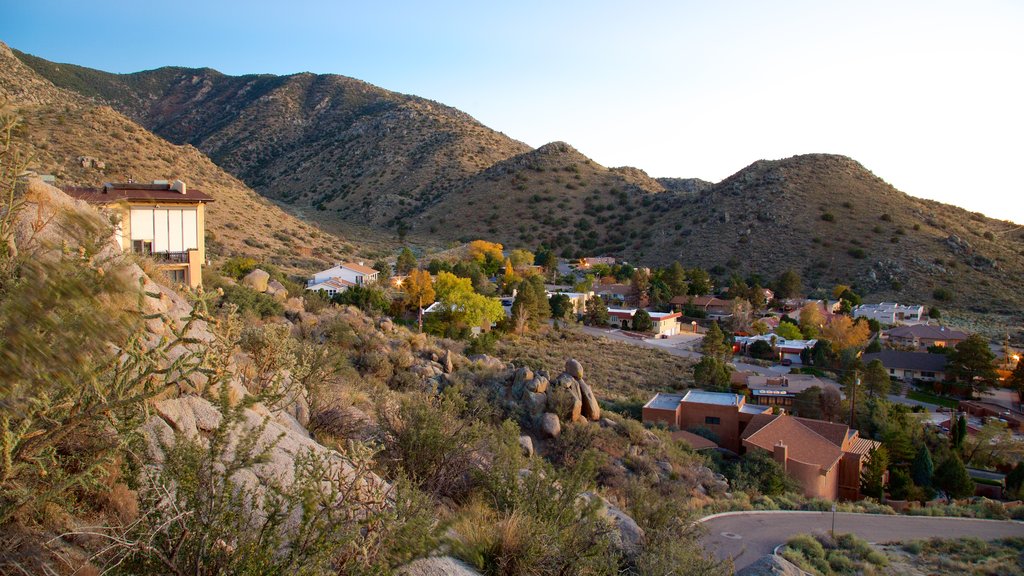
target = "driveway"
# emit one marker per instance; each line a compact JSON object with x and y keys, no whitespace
{"x":747,"y":536}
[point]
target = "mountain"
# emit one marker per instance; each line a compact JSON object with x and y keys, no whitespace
{"x":85,"y":142}
{"x":352,"y":156}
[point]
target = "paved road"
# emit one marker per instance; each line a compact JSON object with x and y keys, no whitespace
{"x":748,"y":536}
{"x":676,"y":346}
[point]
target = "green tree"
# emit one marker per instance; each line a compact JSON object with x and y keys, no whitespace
{"x":714,"y":344}
{"x":700,"y":281}
{"x":973,"y":363}
{"x":712,"y":372}
{"x":762,"y":350}
{"x":463,"y":304}
{"x":521,"y":258}
{"x":923,"y":469}
{"x":951,"y":476}
{"x":812,"y":320}
{"x":788,"y":285}
{"x":406,"y":261}
{"x":367,"y":298}
{"x":642,"y":321}
{"x":1016,"y":380}
{"x":872,"y":477}
{"x":530,"y":308}
{"x":561,"y":307}
{"x":1015,"y":480}
{"x":876,"y":379}
{"x":788,"y":331}
{"x":807,"y":403}
{"x":675,"y":277}
{"x":640,"y":287}
{"x":596,"y":312}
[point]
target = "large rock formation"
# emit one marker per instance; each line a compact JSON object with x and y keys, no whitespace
{"x":547,"y":402}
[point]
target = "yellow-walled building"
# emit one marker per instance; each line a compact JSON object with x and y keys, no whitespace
{"x":163,"y":220}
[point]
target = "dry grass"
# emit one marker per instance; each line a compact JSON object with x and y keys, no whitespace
{"x":617,"y":371}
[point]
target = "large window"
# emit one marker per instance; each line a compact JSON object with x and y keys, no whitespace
{"x":712,"y":420}
{"x":144,"y":247}
{"x":176,"y":276}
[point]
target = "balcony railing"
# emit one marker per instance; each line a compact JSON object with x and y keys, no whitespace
{"x":172,"y":257}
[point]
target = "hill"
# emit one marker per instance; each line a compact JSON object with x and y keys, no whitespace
{"x":85,"y":143}
{"x":352,"y":156}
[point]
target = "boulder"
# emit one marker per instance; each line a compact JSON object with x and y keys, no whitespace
{"x":258,"y":280}
{"x":519,"y":380}
{"x":590,"y":409}
{"x":539,"y":384}
{"x":628,"y":536}
{"x":550,"y":425}
{"x":535,"y":403}
{"x":526,"y":443}
{"x":437,"y":566}
{"x":487,"y":361}
{"x":447,"y":364}
{"x":294,"y":307}
{"x":277,"y":290}
{"x":574,"y":368}
{"x":564,"y":398}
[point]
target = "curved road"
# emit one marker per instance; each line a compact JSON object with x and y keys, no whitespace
{"x":747,"y":536}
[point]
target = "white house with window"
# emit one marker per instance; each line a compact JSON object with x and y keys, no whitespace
{"x":344,"y":275}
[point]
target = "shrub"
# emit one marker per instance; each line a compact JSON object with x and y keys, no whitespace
{"x":828,"y":217}
{"x":942,"y":294}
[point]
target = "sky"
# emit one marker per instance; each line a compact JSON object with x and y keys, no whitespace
{"x":927,"y":95}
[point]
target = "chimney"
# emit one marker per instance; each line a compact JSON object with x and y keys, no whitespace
{"x":781,"y":454}
{"x":178,"y":186}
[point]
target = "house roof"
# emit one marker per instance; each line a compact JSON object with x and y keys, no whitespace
{"x":111,"y":193}
{"x":699,"y":301}
{"x":623,"y":289}
{"x":623,"y":313}
{"x":862,"y":446}
{"x":921,"y":361}
{"x":335,"y":283}
{"x":664,"y":401}
{"x":804,"y":444}
{"x":357,"y":267}
{"x":788,"y":383}
{"x":661,"y":316}
{"x":717,"y":398}
{"x":696,"y":441}
{"x":927,"y":331}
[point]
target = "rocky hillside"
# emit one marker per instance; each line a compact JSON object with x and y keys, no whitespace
{"x":82,"y":142}
{"x":347,"y":154}
{"x":834,"y":221}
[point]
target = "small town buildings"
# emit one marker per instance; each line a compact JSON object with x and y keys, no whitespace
{"x":922,"y":336}
{"x":787,"y":349}
{"x":825,"y":458}
{"x":578,"y":300}
{"x":663,"y":323}
{"x":615,"y":293}
{"x":710,"y":305}
{"x":1014,"y":419}
{"x":163,"y":220}
{"x":781,"y":390}
{"x":588,"y":263}
{"x":890,"y":313}
{"x":911,"y":366}
{"x":725,"y":415}
{"x":350,"y":273}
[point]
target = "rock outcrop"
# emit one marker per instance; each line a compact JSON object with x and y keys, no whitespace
{"x":258,"y":280}
{"x":437,"y":566}
{"x":550,"y":401}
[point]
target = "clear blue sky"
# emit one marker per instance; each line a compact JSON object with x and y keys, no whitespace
{"x":928,"y":95}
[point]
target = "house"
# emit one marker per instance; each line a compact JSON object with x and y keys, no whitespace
{"x":890,"y":313}
{"x":781,"y":390}
{"x":587,"y":263}
{"x":615,"y":293}
{"x":710,"y":305}
{"x":725,"y":415}
{"x":787,"y":349}
{"x":910,"y":366}
{"x":353,"y":273}
{"x":924,"y":335}
{"x":663,"y":323}
{"x":989,"y":410}
{"x":825,"y":458}
{"x":163,"y":220}
{"x":578,"y":300}
{"x":331,"y":286}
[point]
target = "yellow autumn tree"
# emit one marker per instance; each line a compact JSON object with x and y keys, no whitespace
{"x":418,"y":289}
{"x":482,"y":250}
{"x":844,"y":333}
{"x":811,"y":319}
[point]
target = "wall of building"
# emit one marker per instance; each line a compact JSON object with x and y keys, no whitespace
{"x":728,"y":428}
{"x":661,"y":416}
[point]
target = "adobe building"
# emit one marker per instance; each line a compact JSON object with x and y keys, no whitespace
{"x":825,"y":458}
{"x":163,"y":220}
{"x":724,"y":414}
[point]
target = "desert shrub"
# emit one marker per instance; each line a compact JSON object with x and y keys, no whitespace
{"x":942,"y":294}
{"x":828,"y":217}
{"x":249,"y":301}
{"x":238,"y":266}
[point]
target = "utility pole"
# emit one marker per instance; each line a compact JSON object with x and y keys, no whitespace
{"x":853,"y":400}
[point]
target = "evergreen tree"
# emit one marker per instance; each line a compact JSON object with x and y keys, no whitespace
{"x":712,"y":372}
{"x":951,"y":476}
{"x":700,"y":281}
{"x":1015,"y":480}
{"x":876,"y":379}
{"x":714,"y":343}
{"x":675,"y":277}
{"x":596,"y":312}
{"x":788,"y":285}
{"x":406,"y":261}
{"x":872,"y":477}
{"x":642,"y":321}
{"x":961,"y":432}
{"x":922,"y":469}
{"x":1016,"y":380}
{"x":973,"y":363}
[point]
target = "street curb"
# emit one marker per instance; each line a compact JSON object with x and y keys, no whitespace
{"x":828,"y":512}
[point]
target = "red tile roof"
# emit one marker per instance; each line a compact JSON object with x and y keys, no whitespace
{"x":357,"y":267}
{"x":695,"y":441}
{"x":803,"y":443}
